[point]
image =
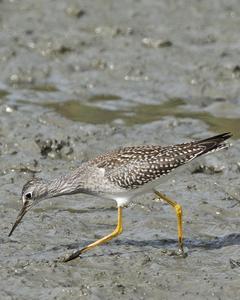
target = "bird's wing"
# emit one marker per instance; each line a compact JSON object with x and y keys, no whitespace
{"x":131,"y":167}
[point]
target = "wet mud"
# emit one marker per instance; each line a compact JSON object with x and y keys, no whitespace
{"x":81,"y":78}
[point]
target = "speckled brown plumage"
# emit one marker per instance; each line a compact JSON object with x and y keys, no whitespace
{"x":132,"y":167}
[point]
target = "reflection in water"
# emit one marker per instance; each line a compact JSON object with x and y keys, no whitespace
{"x":44,"y":88}
{"x":103,"y":97}
{"x":144,"y":113}
{"x":77,"y":111}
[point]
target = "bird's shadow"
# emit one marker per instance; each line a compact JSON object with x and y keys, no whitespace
{"x":191,"y":244}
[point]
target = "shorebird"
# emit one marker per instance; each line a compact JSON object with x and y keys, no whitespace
{"x":121,"y":175}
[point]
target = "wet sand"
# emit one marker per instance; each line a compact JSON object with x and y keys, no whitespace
{"x":83,"y":78}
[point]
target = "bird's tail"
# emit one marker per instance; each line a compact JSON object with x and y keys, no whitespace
{"x":214,"y":143}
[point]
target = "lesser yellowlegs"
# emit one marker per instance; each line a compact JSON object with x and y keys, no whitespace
{"x":121,"y":175}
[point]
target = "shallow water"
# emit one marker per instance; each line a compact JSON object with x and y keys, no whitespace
{"x":140,"y":114}
{"x":77,"y":80}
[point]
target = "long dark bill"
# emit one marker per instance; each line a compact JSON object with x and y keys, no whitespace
{"x":21,"y":214}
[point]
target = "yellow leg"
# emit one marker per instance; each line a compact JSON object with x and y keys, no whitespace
{"x":178,"y":210}
{"x":118,"y":230}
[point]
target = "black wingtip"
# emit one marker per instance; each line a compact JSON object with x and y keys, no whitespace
{"x":214,"y":143}
{"x":218,"y":138}
{"x":225,"y":135}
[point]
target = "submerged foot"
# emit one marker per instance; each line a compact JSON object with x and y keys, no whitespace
{"x":72,"y":256}
{"x":177,"y":253}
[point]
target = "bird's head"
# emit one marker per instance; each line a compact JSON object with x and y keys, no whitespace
{"x":33,"y":191}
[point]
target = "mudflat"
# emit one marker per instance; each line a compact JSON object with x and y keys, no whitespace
{"x":82,"y":78}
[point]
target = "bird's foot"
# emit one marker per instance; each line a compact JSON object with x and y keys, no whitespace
{"x":177,"y":253}
{"x":72,"y":256}
{"x":67,"y":257}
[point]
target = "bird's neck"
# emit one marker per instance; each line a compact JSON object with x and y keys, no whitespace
{"x":57,"y":187}
{"x":63,"y":186}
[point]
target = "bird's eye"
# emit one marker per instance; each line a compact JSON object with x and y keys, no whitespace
{"x":28,"y":196}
